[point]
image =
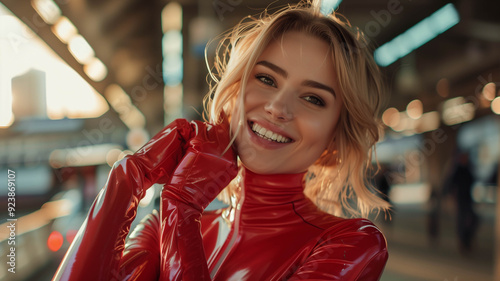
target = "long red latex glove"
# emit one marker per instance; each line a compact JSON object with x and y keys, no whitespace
{"x":200,"y":176}
{"x":98,"y":247}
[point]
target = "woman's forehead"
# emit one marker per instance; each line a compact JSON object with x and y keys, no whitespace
{"x":298,"y":45}
{"x":300,"y":50}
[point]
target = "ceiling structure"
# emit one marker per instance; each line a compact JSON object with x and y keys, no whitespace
{"x":127,"y":34}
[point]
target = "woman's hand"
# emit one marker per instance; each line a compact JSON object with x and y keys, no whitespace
{"x":207,"y":167}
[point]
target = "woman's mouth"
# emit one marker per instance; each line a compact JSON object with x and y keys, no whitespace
{"x":268,"y":134}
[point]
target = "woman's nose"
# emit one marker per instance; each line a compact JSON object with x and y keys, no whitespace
{"x":279,"y":107}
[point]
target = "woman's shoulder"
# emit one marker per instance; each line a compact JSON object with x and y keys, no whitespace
{"x":354,"y":248}
{"x":358,"y":233}
{"x":357,"y":226}
{"x":360,"y":225}
{"x":355,"y":231}
{"x":332,"y":223}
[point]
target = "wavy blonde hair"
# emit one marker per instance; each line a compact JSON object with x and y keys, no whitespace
{"x":337,"y":182}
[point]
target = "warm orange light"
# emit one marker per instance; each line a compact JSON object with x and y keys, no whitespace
{"x":495,"y":105}
{"x":403,"y":122}
{"x":489,"y":91}
{"x":391,"y":117}
{"x":55,"y":241}
{"x":415,"y":109}
{"x":171,"y":17}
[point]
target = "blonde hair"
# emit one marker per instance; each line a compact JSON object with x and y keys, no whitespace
{"x":339,"y":176}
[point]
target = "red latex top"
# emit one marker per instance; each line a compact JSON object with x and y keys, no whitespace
{"x":273,"y":233}
{"x":279,"y":234}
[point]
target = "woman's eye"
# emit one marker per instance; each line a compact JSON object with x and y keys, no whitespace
{"x":315,"y":100}
{"x":266,"y":79}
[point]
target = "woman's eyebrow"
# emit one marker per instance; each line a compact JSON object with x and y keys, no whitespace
{"x":317,"y":85}
{"x":307,"y":83}
{"x":274,"y":67}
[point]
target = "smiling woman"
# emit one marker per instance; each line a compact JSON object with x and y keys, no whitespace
{"x":329,"y":59}
{"x":296,"y":98}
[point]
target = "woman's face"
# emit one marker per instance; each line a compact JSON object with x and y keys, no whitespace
{"x":292,"y":105}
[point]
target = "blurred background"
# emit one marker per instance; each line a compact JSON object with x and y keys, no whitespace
{"x":85,"y":82}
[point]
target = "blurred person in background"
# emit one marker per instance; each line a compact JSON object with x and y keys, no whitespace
{"x":459,"y":184}
{"x":296,"y":98}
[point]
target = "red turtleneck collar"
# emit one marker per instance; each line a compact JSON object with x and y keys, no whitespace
{"x":274,"y":189}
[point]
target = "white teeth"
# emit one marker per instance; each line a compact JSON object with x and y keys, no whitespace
{"x":264,"y":133}
{"x":261,"y":130}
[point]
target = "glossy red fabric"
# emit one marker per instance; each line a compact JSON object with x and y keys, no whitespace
{"x":208,"y":166}
{"x":273,"y":233}
{"x":141,"y":258}
{"x":276,"y":233}
{"x":97,"y":250}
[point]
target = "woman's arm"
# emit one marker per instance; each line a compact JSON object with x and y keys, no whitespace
{"x":203,"y":172}
{"x":98,"y":247}
{"x":353,"y":250}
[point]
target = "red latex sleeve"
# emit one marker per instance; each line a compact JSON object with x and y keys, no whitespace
{"x":207,"y":167}
{"x":98,"y":247}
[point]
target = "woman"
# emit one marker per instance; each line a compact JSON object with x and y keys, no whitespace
{"x":296,"y":98}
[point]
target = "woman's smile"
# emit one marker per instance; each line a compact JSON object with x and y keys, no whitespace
{"x":268,"y":134}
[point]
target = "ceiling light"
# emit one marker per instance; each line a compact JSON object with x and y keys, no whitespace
{"x":64,"y":29}
{"x":418,"y":35}
{"x":95,"y":69}
{"x":80,"y":49}
{"x":47,"y":9}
